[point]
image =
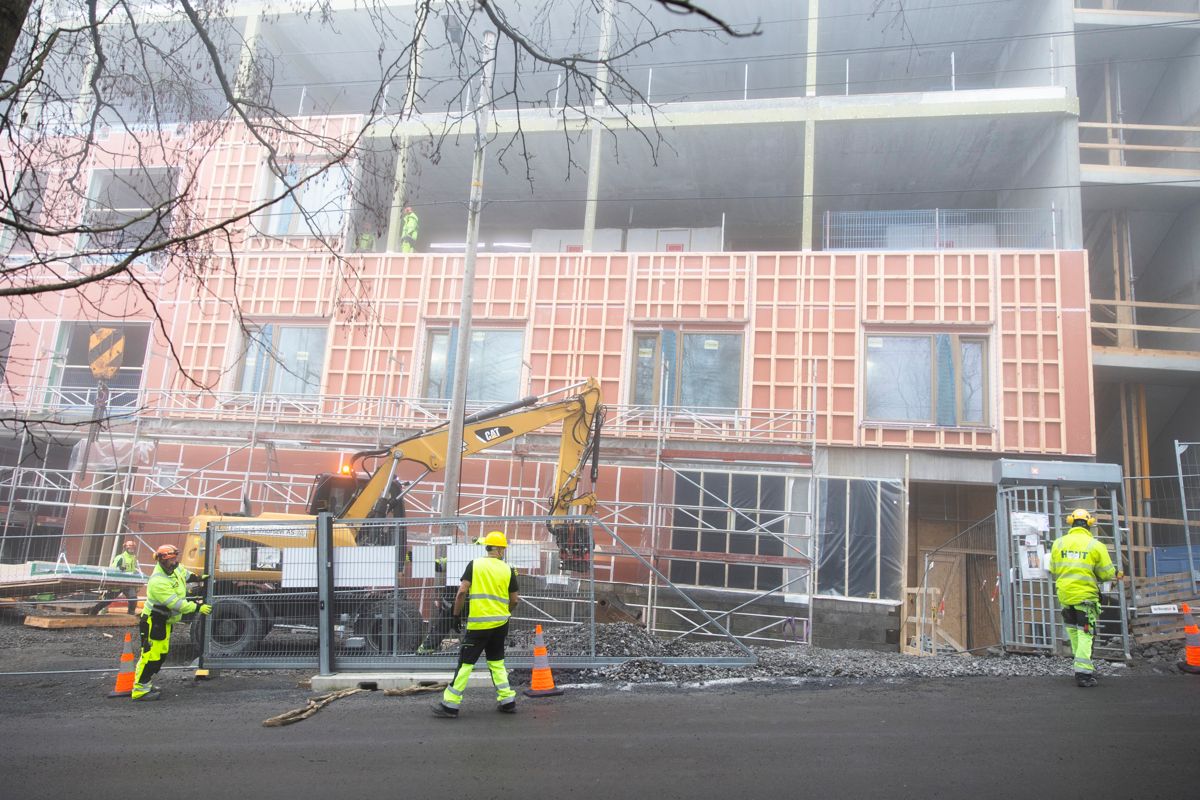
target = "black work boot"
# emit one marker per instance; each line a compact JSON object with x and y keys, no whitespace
{"x":507,"y":708}
{"x":1085,"y":680}
{"x":440,"y":709}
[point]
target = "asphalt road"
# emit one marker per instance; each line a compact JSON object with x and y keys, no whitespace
{"x":1134,"y":737}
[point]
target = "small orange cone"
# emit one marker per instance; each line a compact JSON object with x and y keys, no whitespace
{"x":1191,"y":662}
{"x":124,"y":687}
{"x":542,"y":684}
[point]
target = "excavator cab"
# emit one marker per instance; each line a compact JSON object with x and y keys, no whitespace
{"x":333,"y":491}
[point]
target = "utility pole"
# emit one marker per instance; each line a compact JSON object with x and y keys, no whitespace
{"x":462,"y":353}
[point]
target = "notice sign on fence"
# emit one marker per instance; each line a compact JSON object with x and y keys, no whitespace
{"x":1166,"y":608}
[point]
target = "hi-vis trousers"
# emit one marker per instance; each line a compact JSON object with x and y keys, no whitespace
{"x":489,"y":641}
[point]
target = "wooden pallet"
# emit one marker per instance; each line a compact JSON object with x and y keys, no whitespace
{"x":1148,"y":628}
{"x":80,"y":621}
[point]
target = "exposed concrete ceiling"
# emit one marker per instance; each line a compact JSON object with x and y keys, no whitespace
{"x":849,"y":155}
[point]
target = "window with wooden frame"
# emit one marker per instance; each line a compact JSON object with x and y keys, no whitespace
{"x":316,"y":206}
{"x":701,"y":371}
{"x":493,"y":366}
{"x":282,"y":359}
{"x":932,"y":379}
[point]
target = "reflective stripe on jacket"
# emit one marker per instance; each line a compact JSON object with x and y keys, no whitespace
{"x":490,"y":579}
{"x":126,"y":562}
{"x":1078,"y":563}
{"x":168,"y":593}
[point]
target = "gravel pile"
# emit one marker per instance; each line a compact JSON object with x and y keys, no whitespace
{"x":788,"y":662}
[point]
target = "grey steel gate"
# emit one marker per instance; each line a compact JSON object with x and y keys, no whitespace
{"x":1033,"y":499}
{"x":1028,"y":609}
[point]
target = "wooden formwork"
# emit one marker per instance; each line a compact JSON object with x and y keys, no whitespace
{"x":1176,"y":589}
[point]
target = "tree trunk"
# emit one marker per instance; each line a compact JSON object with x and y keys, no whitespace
{"x":12,"y":19}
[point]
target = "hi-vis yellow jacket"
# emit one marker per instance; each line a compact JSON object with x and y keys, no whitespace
{"x":1078,"y":563}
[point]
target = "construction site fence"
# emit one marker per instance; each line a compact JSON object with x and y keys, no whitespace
{"x":338,"y":594}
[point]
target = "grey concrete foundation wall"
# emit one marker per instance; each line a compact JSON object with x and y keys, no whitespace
{"x":846,"y":624}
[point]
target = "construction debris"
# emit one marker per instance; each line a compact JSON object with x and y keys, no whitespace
{"x":314,"y":705}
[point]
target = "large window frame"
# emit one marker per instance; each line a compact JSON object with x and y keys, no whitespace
{"x":71,"y":383}
{"x":673,"y":367}
{"x":919,"y":378}
{"x":317,"y":207}
{"x":24,"y":203}
{"x":739,"y":531}
{"x":494,"y":367}
{"x":125,"y":200}
{"x":276,"y":359}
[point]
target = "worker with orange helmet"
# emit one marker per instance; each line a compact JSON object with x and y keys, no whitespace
{"x":126,"y":562}
{"x":410,"y":229}
{"x":166,"y":603}
{"x":1078,"y":563}
{"x":490,"y":586}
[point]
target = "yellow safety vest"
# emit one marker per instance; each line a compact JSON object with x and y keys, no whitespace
{"x":1078,"y":563}
{"x":490,"y":579}
{"x":168,"y":594}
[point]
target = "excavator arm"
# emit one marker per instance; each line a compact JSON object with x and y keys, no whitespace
{"x":581,"y":415}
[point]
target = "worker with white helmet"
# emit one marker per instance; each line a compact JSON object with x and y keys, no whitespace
{"x":1078,"y":564}
{"x":166,"y":603}
{"x":489,"y":588}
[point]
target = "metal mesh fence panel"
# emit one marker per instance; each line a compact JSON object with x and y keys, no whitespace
{"x":941,"y":229}
{"x":1187,"y":462}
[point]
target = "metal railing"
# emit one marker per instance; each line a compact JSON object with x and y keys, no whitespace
{"x":397,"y":415}
{"x":1153,"y":6}
{"x":942,"y":229}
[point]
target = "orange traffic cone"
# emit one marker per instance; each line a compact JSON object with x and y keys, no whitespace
{"x":542,"y":684}
{"x":1191,"y":662}
{"x":124,"y":687}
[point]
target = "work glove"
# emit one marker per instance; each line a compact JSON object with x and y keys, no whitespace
{"x":194,"y":578}
{"x":205,"y":609}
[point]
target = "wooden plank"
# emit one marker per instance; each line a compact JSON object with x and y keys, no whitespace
{"x":1145,"y":304}
{"x":1137,"y":126}
{"x":105,"y":621}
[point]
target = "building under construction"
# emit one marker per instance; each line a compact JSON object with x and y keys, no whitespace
{"x":876,"y":250}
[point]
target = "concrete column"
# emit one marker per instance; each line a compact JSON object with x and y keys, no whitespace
{"x":810,"y":128}
{"x":593,"y":174}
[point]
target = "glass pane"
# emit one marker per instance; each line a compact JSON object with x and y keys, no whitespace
{"x":323,"y":200}
{"x":684,"y":539}
{"x":711,"y":574}
{"x":770,"y":545}
{"x":645,"y":370}
{"x":741,"y":576}
{"x":711,"y":372}
{"x":898,"y":379}
{"x":494,"y":374}
{"x":436,"y":380}
{"x":683,"y":572}
{"x":742,"y":543}
{"x":831,"y":504}
{"x":769,"y":578}
{"x":971,"y":381}
{"x":300,"y":360}
{"x":946,"y":398}
{"x":712,"y":541}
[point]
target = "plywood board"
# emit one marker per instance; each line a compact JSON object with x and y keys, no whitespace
{"x":80,"y":621}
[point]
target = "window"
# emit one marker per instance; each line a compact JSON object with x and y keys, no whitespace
{"x":22,"y":201}
{"x":493,"y":371}
{"x":938,"y":379}
{"x":283,"y":360}
{"x":127,"y":209}
{"x":731,"y":515}
{"x":701,"y":371}
{"x":71,"y":380}
{"x":316,"y":208}
{"x":860,"y":538}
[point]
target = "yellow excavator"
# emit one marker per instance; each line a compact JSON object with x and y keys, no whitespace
{"x":251,"y":597}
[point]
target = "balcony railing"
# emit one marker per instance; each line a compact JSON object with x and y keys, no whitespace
{"x":942,"y":229}
{"x":1113,"y":144}
{"x":1153,"y":326}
